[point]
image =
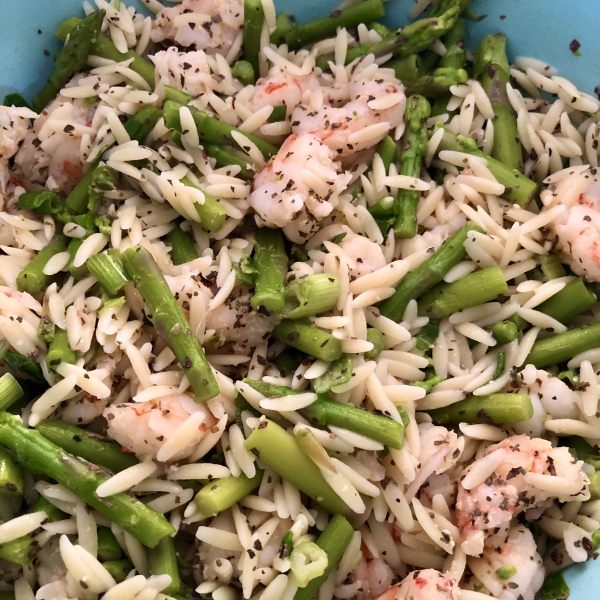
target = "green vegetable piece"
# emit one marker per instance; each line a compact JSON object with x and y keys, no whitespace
{"x":271,"y":263}
{"x":574,"y":299}
{"x":427,"y":384}
{"x":307,"y":562}
{"x":32,"y":278}
{"x":376,"y":338}
{"x":60,"y":351}
{"x":21,"y":551}
{"x":119,"y":569}
{"x":427,"y":336}
{"x":500,"y":364}
{"x":308,"y":339}
{"x":311,"y":295}
{"x":24,"y":365}
{"x":242,"y":70}
{"x":283,"y":25}
{"x":551,"y":266}
{"x":437,"y":82}
{"x":140,"y":125}
{"x":85,"y":444}
{"x":11,"y":476}
{"x":212,"y":214}
{"x":169,"y":321}
{"x":504,"y":573}
{"x":220,"y":494}
{"x":53,"y":513}
{"x":108,"y":546}
{"x":82,"y":271}
{"x":339,"y":372}
{"x":407,"y":69}
{"x":10,"y":391}
{"x":226,"y":158}
{"x":15,"y":99}
{"x":254,"y":18}
{"x":162,"y":560}
{"x":180,"y":96}
{"x":287,"y":362}
{"x":107,"y":268}
{"x":554,"y":587}
{"x":183,"y":249}
{"x":504,"y":332}
{"x":279,"y":114}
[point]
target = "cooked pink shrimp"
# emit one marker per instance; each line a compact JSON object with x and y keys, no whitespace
{"x":367,"y":580}
{"x":298,"y":187}
{"x":210,"y":25}
{"x":484,"y":512}
{"x":513,"y":570}
{"x":427,"y":584}
{"x":282,"y":88}
{"x":50,"y":154}
{"x":142,"y":427}
{"x":340,"y":122}
{"x":578,"y":231}
{"x":367,"y":255}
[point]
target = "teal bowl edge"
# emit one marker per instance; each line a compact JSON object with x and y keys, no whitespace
{"x":542,"y":29}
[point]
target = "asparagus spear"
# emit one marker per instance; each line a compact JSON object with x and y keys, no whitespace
{"x":325,"y":27}
{"x":254,"y":18}
{"x":473,"y":289}
{"x":54,"y":514}
{"x":324,"y":412}
{"x":119,"y":569}
{"x":574,"y":299}
{"x":428,"y":274}
{"x":176,"y":95}
{"x":403,"y":42}
{"x":311,"y":295}
{"x":494,"y":408}
{"x":71,"y":59}
{"x":140,"y":125}
{"x":107,"y":268}
{"x":169,"y":321}
{"x":108,"y":546}
{"x":438,"y":82}
{"x":519,"y":189}
{"x":212,"y":214}
{"x":551,"y":266}
{"x":10,"y":391}
{"x":338,"y":373}
{"x":336,"y":537}
{"x":242,"y":70}
{"x":60,"y":351}
{"x":284,"y":23}
{"x":211,"y":130}
{"x":504,"y":332}
{"x":406,"y":69}
{"x":42,"y":456}
{"x":162,"y":560}
{"x":32,"y":278}
{"x":308,"y":339}
{"x":271,"y":262}
{"x":491,"y":68}
{"x":11,"y":476}
{"x":225,"y":158}
{"x":220,"y":494}
{"x":87,"y":445}
{"x":564,"y":346}
{"x":183,"y":249}
{"x":414,"y":146}
{"x":280,"y":451}
{"x":21,"y":551}
{"x":376,"y":338}
{"x":103,"y":47}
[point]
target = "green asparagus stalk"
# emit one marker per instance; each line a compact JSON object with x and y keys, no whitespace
{"x":10,"y":391}
{"x":11,"y":476}
{"x":140,"y":125}
{"x":98,"y":178}
{"x":78,"y":273}
{"x":254,"y":18}
{"x":404,"y":42}
{"x":311,"y":295}
{"x":564,"y":346}
{"x":551,"y":266}
{"x":336,"y":537}
{"x":284,"y":23}
{"x":46,"y":327}
{"x":288,"y":361}
{"x":21,"y":551}
{"x":325,"y":27}
{"x":339,"y":372}
{"x":60,"y":351}
{"x":574,"y":299}
{"x":169,"y":321}
{"x":376,"y":338}
{"x":87,"y":445}
{"x":54,"y":514}
{"x":32,"y":278}
{"x":407,"y":69}
{"x":176,"y":95}
{"x":504,"y":332}
{"x":492,"y":69}
{"x":279,"y":114}
{"x":211,"y":130}
{"x":119,"y":569}
{"x":71,"y":59}
{"x":162,"y":560}
{"x":107,"y":268}
{"x":183,"y":249}
{"x":414,"y":146}
{"x":271,"y":262}
{"x":221,"y":494}
{"x":308,"y":339}
{"x":281,"y":452}
{"x":224,"y":158}
{"x":473,"y":289}
{"x":494,"y":408}
{"x":212,"y":214}
{"x":42,"y":456}
{"x":108,"y":546}
{"x":242,"y":70}
{"x":428,"y":274}
{"x":103,"y":47}
{"x":324,"y":412}
{"x":438,"y":82}
{"x":16,"y":100}
{"x":519,"y":189}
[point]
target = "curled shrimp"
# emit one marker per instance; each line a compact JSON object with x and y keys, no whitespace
{"x":298,"y":187}
{"x":143,"y":427}
{"x":348,"y":110}
{"x":281,"y":87}
{"x":427,"y":584}
{"x":210,"y":25}
{"x":484,"y":512}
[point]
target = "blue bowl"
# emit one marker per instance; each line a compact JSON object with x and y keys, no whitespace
{"x":542,"y":29}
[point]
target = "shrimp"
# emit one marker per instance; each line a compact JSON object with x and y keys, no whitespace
{"x":339,"y":126}
{"x":427,"y":584}
{"x":371,"y":577}
{"x":578,"y":231}
{"x":14,"y":126}
{"x":50,"y":153}
{"x":280,"y":87}
{"x":484,"y":512}
{"x":210,"y":25}
{"x":142,"y":427}
{"x":513,"y":570}
{"x":298,"y":187}
{"x":367,"y":255}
